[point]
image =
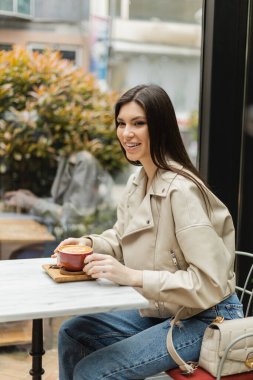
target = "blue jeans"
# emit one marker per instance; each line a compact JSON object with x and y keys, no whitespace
{"x":123,"y":345}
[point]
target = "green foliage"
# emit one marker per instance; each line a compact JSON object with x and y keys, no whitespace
{"x":48,"y":107}
{"x":193,"y":124}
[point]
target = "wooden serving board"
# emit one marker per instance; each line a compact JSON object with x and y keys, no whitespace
{"x":58,"y":277}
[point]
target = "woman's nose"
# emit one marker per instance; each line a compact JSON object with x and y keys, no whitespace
{"x":128,"y":132}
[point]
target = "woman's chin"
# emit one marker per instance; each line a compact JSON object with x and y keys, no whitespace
{"x":134,"y":155}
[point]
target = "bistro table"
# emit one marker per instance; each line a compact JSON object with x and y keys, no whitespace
{"x":28,"y":292}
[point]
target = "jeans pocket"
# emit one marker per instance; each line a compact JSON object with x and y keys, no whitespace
{"x":234,"y":311}
{"x":230,"y":308}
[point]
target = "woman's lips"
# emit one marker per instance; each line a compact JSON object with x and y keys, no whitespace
{"x":131,"y":147}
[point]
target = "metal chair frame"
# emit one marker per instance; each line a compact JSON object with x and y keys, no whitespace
{"x":246,"y":290}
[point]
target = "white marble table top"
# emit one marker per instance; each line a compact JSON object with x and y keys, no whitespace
{"x":28,"y":292}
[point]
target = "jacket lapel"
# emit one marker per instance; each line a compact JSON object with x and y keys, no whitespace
{"x":140,"y":205}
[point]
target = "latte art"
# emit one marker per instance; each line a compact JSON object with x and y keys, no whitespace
{"x":75,"y":249}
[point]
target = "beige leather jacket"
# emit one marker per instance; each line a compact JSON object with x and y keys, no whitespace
{"x":186,"y":255}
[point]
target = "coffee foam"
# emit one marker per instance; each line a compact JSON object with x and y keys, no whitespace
{"x":75,"y":249}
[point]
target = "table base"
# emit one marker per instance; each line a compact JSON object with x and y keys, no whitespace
{"x":37,"y":350}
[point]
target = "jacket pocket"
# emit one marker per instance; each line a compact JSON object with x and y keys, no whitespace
{"x":174,"y":259}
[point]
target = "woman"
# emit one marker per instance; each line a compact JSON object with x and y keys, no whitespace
{"x":173,"y":241}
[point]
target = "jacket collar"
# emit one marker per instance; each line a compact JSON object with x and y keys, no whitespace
{"x":141,"y":202}
{"x":162,"y":180}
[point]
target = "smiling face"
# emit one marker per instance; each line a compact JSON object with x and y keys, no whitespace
{"x":148,"y":130}
{"x":133,"y":134}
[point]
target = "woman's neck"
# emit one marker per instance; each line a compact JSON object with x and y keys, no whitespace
{"x":150,"y":171}
{"x":149,"y":167}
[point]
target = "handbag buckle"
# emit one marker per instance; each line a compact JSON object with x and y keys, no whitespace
{"x":194,"y":366}
{"x":249,"y":360}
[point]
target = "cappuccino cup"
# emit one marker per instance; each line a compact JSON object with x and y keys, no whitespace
{"x":71,"y":257}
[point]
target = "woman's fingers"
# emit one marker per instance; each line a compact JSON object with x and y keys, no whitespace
{"x":97,"y":263}
{"x":99,"y":271}
{"x":95,"y":257}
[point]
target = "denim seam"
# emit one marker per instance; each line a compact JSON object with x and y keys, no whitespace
{"x":189,"y":343}
{"x":113,"y":334}
{"x":118,"y":370}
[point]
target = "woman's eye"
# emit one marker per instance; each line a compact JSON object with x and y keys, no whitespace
{"x":122,"y":124}
{"x":140,"y":123}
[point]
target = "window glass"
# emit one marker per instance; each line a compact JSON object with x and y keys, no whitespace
{"x":184,"y":11}
{"x":6,"y":5}
{"x":46,"y":114}
{"x":115,"y":8}
{"x":169,"y":57}
{"x":65,"y":54}
{"x":24,"y":6}
{"x":62,"y":172}
{"x":5,"y":47}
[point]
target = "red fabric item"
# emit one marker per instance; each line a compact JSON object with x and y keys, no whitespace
{"x":201,"y":374}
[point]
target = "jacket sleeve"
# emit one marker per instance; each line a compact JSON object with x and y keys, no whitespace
{"x":207,"y":244}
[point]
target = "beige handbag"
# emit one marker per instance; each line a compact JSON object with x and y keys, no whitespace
{"x":227,"y":347}
{"x":234,"y":338}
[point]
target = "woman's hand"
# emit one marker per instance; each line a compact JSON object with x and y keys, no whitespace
{"x":98,"y":265}
{"x":74,"y":241}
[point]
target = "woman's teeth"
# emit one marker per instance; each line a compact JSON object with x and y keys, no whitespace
{"x":131,"y":145}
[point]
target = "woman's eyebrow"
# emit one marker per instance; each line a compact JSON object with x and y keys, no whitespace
{"x":139,"y":117}
{"x":133,"y":118}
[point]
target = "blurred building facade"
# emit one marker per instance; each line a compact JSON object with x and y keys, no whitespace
{"x":41,"y":24}
{"x":154,"y":41}
{"x":123,"y":42}
{"x":158,"y":42}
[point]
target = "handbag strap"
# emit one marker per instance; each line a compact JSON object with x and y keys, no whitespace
{"x":186,"y":368}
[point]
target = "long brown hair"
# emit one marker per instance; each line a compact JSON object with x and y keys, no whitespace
{"x":164,"y":134}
